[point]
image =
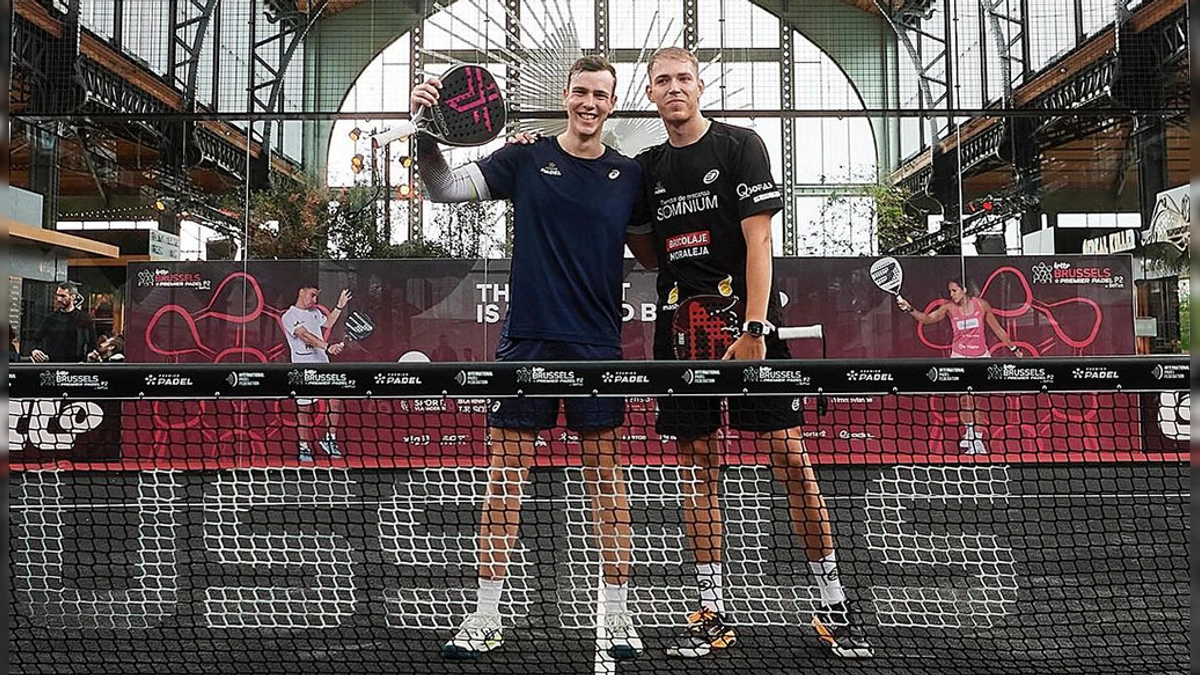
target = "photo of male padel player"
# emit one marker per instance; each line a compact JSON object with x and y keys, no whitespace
{"x":307,"y":326}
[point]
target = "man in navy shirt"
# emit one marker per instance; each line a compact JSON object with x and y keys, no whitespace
{"x":572,"y":200}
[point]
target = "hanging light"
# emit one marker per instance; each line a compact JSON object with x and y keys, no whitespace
{"x":357,"y":162}
{"x":355,"y":134}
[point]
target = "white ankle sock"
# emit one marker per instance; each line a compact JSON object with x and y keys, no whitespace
{"x":712,"y":592}
{"x":826,"y":572}
{"x":616,"y":598}
{"x":488,"y":601}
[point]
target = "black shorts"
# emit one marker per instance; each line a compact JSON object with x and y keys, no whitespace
{"x":688,"y":417}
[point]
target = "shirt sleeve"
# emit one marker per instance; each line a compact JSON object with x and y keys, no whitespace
{"x":500,"y":169}
{"x":757,"y":190}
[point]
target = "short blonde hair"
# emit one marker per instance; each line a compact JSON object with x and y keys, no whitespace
{"x":676,"y":53}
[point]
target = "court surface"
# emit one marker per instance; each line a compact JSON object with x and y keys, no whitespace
{"x":1020,"y":568}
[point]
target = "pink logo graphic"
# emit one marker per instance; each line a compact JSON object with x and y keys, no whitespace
{"x":481,"y":90}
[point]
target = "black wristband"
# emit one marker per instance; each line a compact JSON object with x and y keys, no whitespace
{"x":339,"y":307}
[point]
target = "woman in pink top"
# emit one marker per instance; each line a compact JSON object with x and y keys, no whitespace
{"x":967,"y":316}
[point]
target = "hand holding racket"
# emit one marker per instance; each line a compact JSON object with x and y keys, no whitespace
{"x":359,"y":327}
{"x":463,"y":107}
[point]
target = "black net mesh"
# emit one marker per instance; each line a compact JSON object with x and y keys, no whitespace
{"x":161,"y":523}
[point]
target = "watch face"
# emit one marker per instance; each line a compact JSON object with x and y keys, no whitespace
{"x":754,"y":327}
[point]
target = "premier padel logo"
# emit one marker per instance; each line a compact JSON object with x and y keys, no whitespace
{"x":870,"y":375}
{"x":551,"y":170}
{"x":63,"y":378}
{"x":168,"y":380}
{"x":1095,"y":373}
{"x":769,"y":374}
{"x":397,"y":379}
{"x":624,"y":377}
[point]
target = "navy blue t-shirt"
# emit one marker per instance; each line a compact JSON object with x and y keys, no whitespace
{"x":569,"y":221}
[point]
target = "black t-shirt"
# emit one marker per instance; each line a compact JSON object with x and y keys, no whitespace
{"x":66,"y":337}
{"x":696,"y":198}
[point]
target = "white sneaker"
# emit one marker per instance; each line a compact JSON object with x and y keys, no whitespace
{"x":330,"y":446}
{"x":306,"y":454}
{"x":619,"y":639}
{"x":478,"y":634}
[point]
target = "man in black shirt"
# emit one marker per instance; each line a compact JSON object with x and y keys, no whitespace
{"x":708,"y":198}
{"x":68,"y":334}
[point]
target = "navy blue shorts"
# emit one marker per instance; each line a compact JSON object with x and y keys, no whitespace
{"x":590,"y":413}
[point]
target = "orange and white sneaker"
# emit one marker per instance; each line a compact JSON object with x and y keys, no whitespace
{"x":838,"y":628}
{"x":706,"y":632}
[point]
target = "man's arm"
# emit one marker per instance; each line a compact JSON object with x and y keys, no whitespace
{"x":757,"y":230}
{"x":336,"y":314}
{"x":642,"y":247}
{"x":310,"y":339}
{"x":446,"y":185}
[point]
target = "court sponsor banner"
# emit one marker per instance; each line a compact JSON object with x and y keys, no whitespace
{"x":452,"y":310}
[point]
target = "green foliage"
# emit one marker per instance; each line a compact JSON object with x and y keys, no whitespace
{"x":305,"y":220}
{"x":894,"y":225}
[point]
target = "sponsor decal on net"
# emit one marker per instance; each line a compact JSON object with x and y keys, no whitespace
{"x":1095,"y":373}
{"x":397,"y":378}
{"x":769,"y":374}
{"x":1013,"y":373}
{"x":309,"y":377}
{"x":474,"y":378}
{"x":168,"y":380}
{"x":846,"y":433}
{"x":624,"y":377}
{"x":869,"y":375}
{"x":1171,"y":371}
{"x":945,"y":374}
{"x":251,"y":379}
{"x":695,"y":376}
{"x":544,"y":375}
{"x":65,"y":378}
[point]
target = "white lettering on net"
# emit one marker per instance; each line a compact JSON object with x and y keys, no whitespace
{"x":992,"y":591}
{"x":38,"y":561}
{"x":429,"y":557}
{"x":241,"y":527}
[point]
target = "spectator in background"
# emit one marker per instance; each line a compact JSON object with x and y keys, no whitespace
{"x":443,"y":351}
{"x":68,"y":334}
{"x":111,"y":349}
{"x":14,"y":352}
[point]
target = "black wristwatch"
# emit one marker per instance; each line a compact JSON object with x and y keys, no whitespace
{"x":754,"y":329}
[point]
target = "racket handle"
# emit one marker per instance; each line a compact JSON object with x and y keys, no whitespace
{"x":402,"y":130}
{"x":815,"y":331}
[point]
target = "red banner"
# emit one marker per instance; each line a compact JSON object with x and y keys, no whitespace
{"x":445,"y":310}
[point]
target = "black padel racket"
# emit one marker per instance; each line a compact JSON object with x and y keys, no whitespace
{"x":705,"y":325}
{"x":469,"y":110}
{"x":359,"y":327}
